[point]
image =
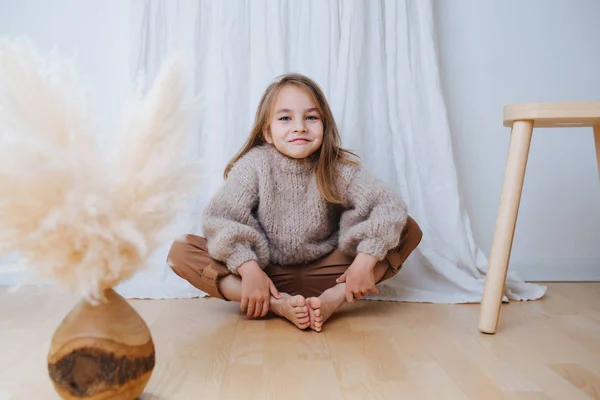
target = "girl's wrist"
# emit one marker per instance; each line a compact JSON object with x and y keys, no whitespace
{"x":367,"y":260}
{"x":248,"y":267}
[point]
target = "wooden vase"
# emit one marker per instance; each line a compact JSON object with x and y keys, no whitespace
{"x":102,"y":351}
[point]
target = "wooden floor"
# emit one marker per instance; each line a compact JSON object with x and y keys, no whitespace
{"x":546,"y":349}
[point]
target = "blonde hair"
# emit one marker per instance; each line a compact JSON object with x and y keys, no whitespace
{"x":329,"y":154}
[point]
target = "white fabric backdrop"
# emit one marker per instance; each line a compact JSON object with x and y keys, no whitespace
{"x":377,"y":63}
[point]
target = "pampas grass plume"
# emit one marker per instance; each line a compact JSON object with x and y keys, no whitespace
{"x":75,"y":215}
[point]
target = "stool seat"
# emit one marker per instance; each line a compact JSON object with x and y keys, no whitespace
{"x":554,"y":115}
{"x":522,"y":119}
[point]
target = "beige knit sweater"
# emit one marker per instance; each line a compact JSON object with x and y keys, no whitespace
{"x":269,"y":209}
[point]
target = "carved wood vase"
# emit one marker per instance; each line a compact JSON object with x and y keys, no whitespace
{"x":102,"y":351}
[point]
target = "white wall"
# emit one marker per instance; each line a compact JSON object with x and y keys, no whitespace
{"x":94,"y":33}
{"x":494,"y":53}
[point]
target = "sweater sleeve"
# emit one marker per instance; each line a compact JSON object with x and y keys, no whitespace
{"x":232,"y":232}
{"x":374,"y":217}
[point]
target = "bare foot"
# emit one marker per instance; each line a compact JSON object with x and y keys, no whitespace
{"x":322,"y":307}
{"x":292,"y":308}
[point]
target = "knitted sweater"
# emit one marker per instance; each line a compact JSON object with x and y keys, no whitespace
{"x":270,"y":210}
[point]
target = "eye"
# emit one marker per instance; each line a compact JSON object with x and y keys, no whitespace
{"x":312,"y":117}
{"x":285,"y":118}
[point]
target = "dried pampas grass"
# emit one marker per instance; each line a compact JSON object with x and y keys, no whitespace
{"x":74,"y":214}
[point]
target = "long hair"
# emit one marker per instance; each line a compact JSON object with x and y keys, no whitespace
{"x":329,"y":154}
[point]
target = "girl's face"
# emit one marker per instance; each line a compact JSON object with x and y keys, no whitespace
{"x":296,"y":128}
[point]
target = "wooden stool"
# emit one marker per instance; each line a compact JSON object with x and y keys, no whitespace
{"x":522,"y":118}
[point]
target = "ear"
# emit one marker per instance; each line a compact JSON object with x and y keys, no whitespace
{"x":267,"y":135}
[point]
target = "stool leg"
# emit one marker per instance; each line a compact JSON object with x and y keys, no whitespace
{"x":597,"y":140}
{"x":514,"y":174}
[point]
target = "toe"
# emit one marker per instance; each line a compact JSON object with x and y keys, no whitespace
{"x":314,"y":302}
{"x":298,"y":301}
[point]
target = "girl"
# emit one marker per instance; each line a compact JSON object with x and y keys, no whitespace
{"x":298,"y":228}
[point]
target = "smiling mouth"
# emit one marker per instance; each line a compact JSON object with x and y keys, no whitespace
{"x":299,"y":140}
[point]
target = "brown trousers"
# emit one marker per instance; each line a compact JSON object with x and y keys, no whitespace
{"x":190,"y":260}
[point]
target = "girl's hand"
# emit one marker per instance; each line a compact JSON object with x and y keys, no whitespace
{"x":359,"y":277}
{"x":256,"y":290}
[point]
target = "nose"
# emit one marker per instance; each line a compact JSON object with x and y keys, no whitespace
{"x":300,"y":125}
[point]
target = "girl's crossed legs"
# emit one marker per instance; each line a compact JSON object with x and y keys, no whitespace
{"x":309,"y":292}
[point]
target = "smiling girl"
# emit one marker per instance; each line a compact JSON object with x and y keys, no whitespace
{"x":298,"y":227}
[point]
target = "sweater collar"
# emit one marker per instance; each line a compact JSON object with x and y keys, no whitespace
{"x":289,"y":164}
